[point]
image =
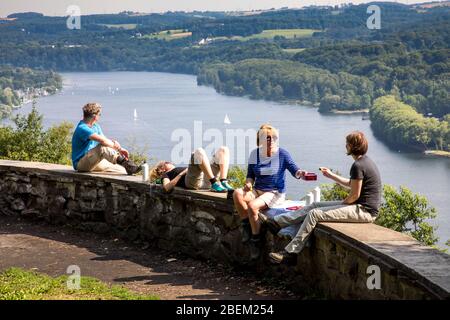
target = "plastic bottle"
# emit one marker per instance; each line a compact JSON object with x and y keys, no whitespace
{"x":145,"y":172}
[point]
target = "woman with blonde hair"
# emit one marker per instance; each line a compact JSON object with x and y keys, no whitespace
{"x":200,"y":174}
{"x":265,"y":185}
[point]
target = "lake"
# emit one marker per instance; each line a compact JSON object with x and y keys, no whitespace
{"x":167,"y":102}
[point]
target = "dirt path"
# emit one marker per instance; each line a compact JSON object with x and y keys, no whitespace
{"x":51,"y":249}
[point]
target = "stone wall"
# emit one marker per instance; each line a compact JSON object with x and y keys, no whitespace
{"x":205,"y":226}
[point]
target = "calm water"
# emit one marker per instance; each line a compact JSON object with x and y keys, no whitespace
{"x":165,"y":102}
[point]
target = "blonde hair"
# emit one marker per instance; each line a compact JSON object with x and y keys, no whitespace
{"x":266,"y":130}
{"x":155,"y":172}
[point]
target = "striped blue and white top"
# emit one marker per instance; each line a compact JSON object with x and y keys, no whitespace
{"x":269,"y":173}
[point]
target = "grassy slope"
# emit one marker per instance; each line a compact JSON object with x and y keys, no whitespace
{"x":18,"y":284}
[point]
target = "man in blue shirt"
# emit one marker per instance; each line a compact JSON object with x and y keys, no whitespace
{"x":92,"y":151}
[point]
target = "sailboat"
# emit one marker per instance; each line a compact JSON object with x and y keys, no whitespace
{"x":226,"y":120}
{"x":135,"y":114}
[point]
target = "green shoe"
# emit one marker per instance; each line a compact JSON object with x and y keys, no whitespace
{"x":217,"y":187}
{"x":226,"y":185}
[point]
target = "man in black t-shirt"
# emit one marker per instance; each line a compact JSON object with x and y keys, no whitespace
{"x":361,"y":205}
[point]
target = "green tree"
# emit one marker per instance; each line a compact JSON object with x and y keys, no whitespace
{"x":401,"y":211}
{"x":407,"y":212}
{"x":27,"y":140}
{"x":237,"y":176}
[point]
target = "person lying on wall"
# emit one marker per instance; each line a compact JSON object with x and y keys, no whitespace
{"x":361,"y":205}
{"x":265,"y":185}
{"x":201,"y":174}
{"x":92,"y":151}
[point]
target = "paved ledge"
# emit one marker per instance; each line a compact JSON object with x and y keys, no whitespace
{"x":430,"y":268}
{"x":204,"y":225}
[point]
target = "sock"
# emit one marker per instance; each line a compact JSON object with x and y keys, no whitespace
{"x":213,"y":180}
{"x":222,"y":180}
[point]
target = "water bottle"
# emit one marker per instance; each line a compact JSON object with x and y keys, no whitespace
{"x":316,"y":193}
{"x":145,"y":172}
{"x":309,"y":198}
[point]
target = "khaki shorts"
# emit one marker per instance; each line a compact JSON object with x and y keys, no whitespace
{"x":100,"y":159}
{"x":270,"y":198}
{"x":195,"y":178}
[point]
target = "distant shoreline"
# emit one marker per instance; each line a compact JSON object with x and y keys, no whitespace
{"x":437,"y":153}
{"x":361,"y":111}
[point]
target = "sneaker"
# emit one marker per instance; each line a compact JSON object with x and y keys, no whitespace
{"x":246,"y":231}
{"x":129,"y":166}
{"x":283,"y":257}
{"x":270,"y":223}
{"x":226,"y":185}
{"x":217,"y":187}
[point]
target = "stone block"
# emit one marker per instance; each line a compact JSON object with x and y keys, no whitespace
{"x":18,"y":205}
{"x":56,"y":204}
{"x":66,"y":190}
{"x":203,"y":227}
{"x":87,"y":193}
{"x":39,"y":189}
{"x":24,"y":188}
{"x":203,"y":215}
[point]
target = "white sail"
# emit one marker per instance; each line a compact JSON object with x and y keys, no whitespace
{"x":135,"y":114}
{"x":226,"y":120}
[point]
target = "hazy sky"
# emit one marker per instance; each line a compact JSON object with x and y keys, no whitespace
{"x":58,"y":7}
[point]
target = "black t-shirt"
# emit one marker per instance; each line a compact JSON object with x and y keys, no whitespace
{"x":173,"y":173}
{"x":365,"y":169}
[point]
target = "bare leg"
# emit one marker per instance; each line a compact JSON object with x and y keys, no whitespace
{"x":222,"y":156}
{"x":241,"y":200}
{"x":202,"y":160}
{"x":253,"y":208}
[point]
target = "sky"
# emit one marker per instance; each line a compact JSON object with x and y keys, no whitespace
{"x":59,"y":7}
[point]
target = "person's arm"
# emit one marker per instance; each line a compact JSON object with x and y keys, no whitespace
{"x":355,"y":191}
{"x":250,"y":179}
{"x":336,"y":178}
{"x":292,"y":167}
{"x":168,"y":184}
{"x":104,"y":141}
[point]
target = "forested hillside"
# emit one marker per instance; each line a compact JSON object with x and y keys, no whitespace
{"x":17,"y":84}
{"x":326,"y":56}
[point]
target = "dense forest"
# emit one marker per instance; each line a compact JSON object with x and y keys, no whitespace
{"x":398,"y":123}
{"x":18,"y":84}
{"x":341,"y":65}
{"x":275,"y":80}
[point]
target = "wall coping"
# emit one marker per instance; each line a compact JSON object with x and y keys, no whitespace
{"x":397,"y":251}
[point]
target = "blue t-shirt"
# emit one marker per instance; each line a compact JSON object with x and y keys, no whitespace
{"x":81,"y":143}
{"x":269,"y":173}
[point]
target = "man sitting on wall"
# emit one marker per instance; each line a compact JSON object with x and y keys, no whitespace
{"x":92,"y":151}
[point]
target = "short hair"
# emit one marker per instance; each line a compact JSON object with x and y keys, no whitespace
{"x":91,"y":109}
{"x":266,"y":130}
{"x":358,"y":143}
